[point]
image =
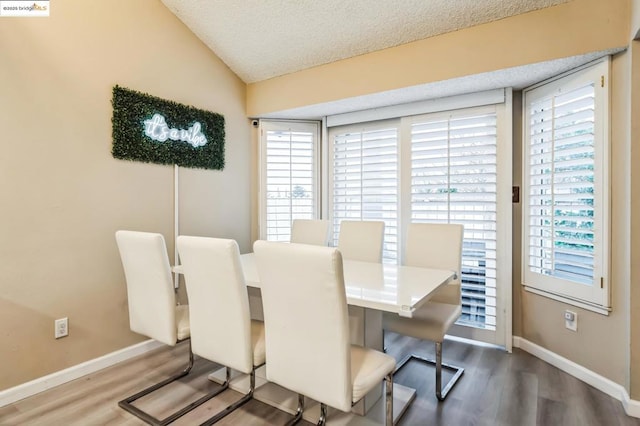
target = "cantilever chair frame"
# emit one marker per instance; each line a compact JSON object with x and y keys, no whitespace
{"x":193,"y":250}
{"x":388,"y":390}
{"x":388,"y":381}
{"x":127,"y":403}
{"x":441,"y":393}
{"x":245,"y":398}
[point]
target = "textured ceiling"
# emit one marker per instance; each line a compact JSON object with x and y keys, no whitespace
{"x":260,"y":39}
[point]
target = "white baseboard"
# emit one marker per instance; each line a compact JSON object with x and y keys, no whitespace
{"x":631,"y":406}
{"x":11,"y":395}
{"x":614,"y":390}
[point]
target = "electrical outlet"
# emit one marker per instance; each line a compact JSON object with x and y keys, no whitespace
{"x":571,"y":320}
{"x":61,"y":327}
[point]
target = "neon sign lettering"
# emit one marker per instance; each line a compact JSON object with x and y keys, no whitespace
{"x":156,"y":128}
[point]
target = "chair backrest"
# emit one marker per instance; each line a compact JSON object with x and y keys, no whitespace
{"x":218,"y":301}
{"x":361,"y":240}
{"x":310,"y":231}
{"x":150,"y":291}
{"x":437,"y":245}
{"x":306,"y":320}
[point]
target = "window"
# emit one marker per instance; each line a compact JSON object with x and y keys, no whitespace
{"x":454,"y":180}
{"x":565,"y":211}
{"x":365,"y":180}
{"x":288,"y":184}
{"x":440,"y":167}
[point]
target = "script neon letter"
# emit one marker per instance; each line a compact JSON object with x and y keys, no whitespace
{"x":156,"y":128}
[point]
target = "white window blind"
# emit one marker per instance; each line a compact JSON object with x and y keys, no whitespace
{"x":365,"y":180}
{"x":289,"y":183}
{"x":561,"y":192}
{"x":453,"y":165}
{"x":565,"y":176}
{"x":453,"y":180}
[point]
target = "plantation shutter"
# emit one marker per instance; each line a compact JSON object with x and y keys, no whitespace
{"x":453,"y":180}
{"x":561,"y":186}
{"x":565,"y":178}
{"x":289,"y":177}
{"x":365,"y":181}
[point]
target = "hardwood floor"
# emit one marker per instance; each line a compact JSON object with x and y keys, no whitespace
{"x":497,"y":389}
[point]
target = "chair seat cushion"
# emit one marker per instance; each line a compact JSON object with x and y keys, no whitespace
{"x":368,"y":369}
{"x":182,"y":322}
{"x":257,"y":342}
{"x":429,"y":322}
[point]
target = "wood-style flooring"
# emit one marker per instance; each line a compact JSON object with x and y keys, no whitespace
{"x":497,"y":389}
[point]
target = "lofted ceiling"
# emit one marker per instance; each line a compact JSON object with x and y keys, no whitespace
{"x":262,"y":39}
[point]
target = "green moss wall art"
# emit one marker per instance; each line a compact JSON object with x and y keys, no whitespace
{"x":154,"y":130}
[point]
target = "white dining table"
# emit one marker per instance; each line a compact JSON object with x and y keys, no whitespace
{"x":380,"y":286}
{"x":371,"y":289}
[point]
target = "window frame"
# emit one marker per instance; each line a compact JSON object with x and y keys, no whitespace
{"x":402,"y":115}
{"x":595,"y":297}
{"x":503,"y":168}
{"x":499,"y":101}
{"x":359,"y":128}
{"x":291,"y":125}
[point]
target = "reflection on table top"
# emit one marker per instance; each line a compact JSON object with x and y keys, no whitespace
{"x":385,"y":287}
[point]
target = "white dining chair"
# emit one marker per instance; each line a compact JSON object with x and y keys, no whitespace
{"x":432,"y":245}
{"x":307,"y":330}
{"x":153,"y":311}
{"x":222,"y":330}
{"x":361,"y":240}
{"x":310,"y":231}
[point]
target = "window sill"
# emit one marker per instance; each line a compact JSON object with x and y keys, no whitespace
{"x":603,"y":310}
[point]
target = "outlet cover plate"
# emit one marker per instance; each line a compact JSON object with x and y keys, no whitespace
{"x":61,"y":328}
{"x":571,"y":324}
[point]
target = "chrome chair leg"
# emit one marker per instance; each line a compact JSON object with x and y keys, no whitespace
{"x":323,"y":415}
{"x":299,"y":411}
{"x":441,"y":393}
{"x":388,"y":382}
{"x":127,"y":403}
{"x":246,"y":398}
